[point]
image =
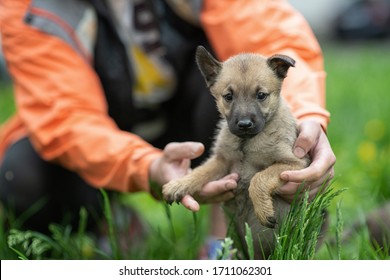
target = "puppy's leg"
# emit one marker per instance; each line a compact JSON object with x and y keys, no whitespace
{"x":263,"y":186}
{"x":214,"y":168}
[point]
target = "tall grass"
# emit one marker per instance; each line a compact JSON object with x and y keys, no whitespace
{"x":299,"y":234}
{"x":296,"y":238}
{"x":63,"y":242}
{"x":301,"y":231}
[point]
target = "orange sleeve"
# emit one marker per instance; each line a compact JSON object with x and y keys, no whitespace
{"x":269,"y":27}
{"x":60,"y":101}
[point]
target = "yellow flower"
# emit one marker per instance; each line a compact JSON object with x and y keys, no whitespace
{"x":367,"y":151}
{"x":375,"y":129}
{"x":87,"y":249}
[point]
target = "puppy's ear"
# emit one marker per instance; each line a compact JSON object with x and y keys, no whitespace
{"x":208,"y":65}
{"x":280,"y":64}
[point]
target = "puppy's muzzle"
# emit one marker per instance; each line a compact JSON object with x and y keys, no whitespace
{"x":245,"y":127}
{"x":245,"y":124}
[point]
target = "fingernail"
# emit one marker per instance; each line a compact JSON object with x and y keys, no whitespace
{"x":230,"y":186}
{"x":194,"y":207}
{"x":299,"y":152}
{"x":197,"y":148}
{"x":284,"y":176}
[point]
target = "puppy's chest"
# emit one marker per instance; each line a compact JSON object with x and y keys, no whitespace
{"x":247,"y":157}
{"x":246,"y":162}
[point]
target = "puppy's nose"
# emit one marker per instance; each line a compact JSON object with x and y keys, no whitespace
{"x":245,"y":124}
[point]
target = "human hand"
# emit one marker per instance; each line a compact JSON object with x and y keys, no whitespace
{"x":175,"y":163}
{"x":313,"y":141}
{"x":213,"y":192}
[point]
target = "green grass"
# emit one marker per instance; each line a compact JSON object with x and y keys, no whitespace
{"x":301,"y":231}
{"x":357,"y":97}
{"x":169,"y":240}
{"x":358,"y":86}
{"x":7,"y":106}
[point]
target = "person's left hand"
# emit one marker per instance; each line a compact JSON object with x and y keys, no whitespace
{"x":175,"y":163}
{"x":313,"y":141}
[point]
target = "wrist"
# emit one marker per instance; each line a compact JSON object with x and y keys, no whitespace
{"x":322,"y":121}
{"x":155,"y":185}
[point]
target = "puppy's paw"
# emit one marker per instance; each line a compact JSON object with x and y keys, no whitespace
{"x":271,"y":222}
{"x":174,"y":191}
{"x":265,"y":213}
{"x":265,"y":219}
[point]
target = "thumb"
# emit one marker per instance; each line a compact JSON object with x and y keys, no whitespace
{"x":185,"y":150}
{"x":307,"y":138}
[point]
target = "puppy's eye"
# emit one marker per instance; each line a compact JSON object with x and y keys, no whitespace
{"x":228,"y":97}
{"x":261,"y":96}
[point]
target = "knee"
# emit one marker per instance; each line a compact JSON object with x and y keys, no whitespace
{"x":21,"y":176}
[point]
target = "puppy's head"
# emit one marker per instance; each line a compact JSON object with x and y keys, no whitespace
{"x":246,"y":88}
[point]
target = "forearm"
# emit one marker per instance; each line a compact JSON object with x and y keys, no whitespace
{"x":61,"y":103}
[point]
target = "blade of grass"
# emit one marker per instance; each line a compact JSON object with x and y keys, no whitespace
{"x":249,"y":242}
{"x":168,"y":213}
{"x":339,"y":230}
{"x":21,"y":256}
{"x":195,"y":236}
{"x":17,"y":223}
{"x":111,"y":227}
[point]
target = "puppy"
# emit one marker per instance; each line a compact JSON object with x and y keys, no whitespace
{"x":255,"y":139}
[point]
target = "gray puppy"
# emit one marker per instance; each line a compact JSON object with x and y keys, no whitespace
{"x":255,"y":139}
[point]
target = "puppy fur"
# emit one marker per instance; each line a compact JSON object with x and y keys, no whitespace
{"x":255,"y":139}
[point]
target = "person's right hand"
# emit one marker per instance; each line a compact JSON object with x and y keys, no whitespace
{"x":311,"y":140}
{"x":175,"y":163}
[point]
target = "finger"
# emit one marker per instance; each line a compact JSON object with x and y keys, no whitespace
{"x":289,"y":190}
{"x":190,"y":203}
{"x":292,"y":187}
{"x":323,"y":160}
{"x":177,"y":151}
{"x":315,"y":191}
{"x":308,"y":136}
{"x":321,"y":185}
{"x":314,"y":172}
{"x":293,"y":191}
{"x":233,"y":176}
{"x":217,"y":187}
{"x":185,"y":166}
{"x":220,"y":198}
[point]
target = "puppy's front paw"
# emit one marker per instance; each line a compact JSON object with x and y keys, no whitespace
{"x":174,"y":191}
{"x":265,"y":213}
{"x":262,"y":206}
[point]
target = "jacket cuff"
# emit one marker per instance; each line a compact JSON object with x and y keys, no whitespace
{"x":140,"y":180}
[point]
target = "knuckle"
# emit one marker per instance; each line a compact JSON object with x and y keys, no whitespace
{"x":305,"y":140}
{"x":169,"y":148}
{"x":316,"y":173}
{"x":332,"y":159}
{"x":170,"y":145}
{"x":331,"y":174}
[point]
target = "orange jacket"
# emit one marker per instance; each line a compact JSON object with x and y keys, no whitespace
{"x":75,"y":130}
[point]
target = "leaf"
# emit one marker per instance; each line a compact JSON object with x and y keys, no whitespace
{"x":249,"y":242}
